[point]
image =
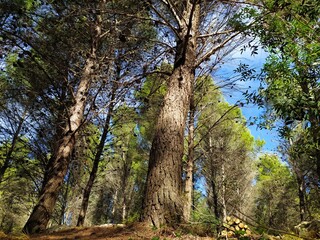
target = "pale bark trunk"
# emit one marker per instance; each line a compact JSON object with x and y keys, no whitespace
{"x":64,"y":203}
{"x":59,"y":161}
{"x":41,"y":214}
{"x":301,"y":194}
{"x":114,"y":206}
{"x":124,"y":180}
{"x":124,"y":209}
{"x":163,"y":200}
{"x":190,"y":165}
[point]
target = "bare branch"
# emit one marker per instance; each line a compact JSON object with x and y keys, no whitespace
{"x":171,"y":8}
{"x":215,"y":124}
{"x":165,"y":20}
{"x":215,"y":34}
{"x":215,"y":49}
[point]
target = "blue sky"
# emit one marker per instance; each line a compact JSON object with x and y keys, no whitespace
{"x":232,"y":96}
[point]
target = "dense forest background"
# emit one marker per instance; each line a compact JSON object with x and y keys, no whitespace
{"x":112,"y":112}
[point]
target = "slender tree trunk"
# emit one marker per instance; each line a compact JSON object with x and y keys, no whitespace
{"x":114,"y":206}
{"x":64,"y":203}
{"x":124,"y":185}
{"x":59,"y":161}
{"x":301,"y":194}
{"x":215,"y":196}
{"x":190,"y":165}
{"x":163,"y":200}
{"x":94,"y":170}
{"x":215,"y":199}
{"x":223,"y":194}
{"x":124,"y":209}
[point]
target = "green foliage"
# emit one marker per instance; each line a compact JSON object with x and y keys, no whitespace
{"x":19,"y":188}
{"x":290,"y":85}
{"x":276,"y":194}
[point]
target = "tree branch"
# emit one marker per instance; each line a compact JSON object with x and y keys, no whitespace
{"x":171,"y":8}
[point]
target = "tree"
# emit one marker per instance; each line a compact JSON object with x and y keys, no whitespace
{"x":290,"y":84}
{"x":185,"y":23}
{"x":290,"y":76}
{"x":227,"y":148}
{"x":275,"y":202}
{"x":58,"y":164}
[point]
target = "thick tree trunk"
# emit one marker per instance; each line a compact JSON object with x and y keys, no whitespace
{"x":190,"y":165}
{"x":163,"y":200}
{"x":94,"y":170}
{"x":164,"y":184}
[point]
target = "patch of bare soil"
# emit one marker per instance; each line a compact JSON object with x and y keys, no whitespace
{"x":136,"y":231}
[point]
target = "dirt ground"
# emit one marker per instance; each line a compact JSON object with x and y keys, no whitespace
{"x":136,"y":231}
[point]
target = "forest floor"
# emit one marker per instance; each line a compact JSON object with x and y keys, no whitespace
{"x":137,"y":231}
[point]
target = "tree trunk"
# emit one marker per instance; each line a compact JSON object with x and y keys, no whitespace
{"x":124,"y":184}
{"x":164,"y":184}
{"x":213,"y":169}
{"x":163,"y":200}
{"x":223,"y":194}
{"x":58,"y":164}
{"x":94,"y":170}
{"x":302,"y":204}
{"x":64,"y":203}
{"x":190,"y":165}
{"x":114,"y":207}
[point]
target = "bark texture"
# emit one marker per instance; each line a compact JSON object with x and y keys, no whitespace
{"x":163,"y":200}
{"x":58,"y":164}
{"x":190,"y":165}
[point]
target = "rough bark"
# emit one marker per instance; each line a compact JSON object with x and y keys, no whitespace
{"x":164,"y":184}
{"x":58,"y":164}
{"x":190,"y":165}
{"x":163,"y":200}
{"x":96,"y":161}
